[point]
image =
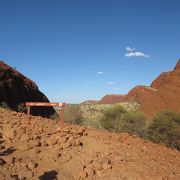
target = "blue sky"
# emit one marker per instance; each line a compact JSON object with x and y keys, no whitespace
{"x":83,"y":49}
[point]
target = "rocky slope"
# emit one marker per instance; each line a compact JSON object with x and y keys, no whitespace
{"x":164,"y":93}
{"x":112,"y":99}
{"x":78,"y":153}
{"x":15,"y":88}
{"x":160,"y":80}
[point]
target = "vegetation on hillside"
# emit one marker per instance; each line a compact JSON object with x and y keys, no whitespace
{"x":73,"y":114}
{"x":118,"y":119}
{"x":165,"y":129}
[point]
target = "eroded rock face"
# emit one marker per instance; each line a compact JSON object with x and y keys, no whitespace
{"x":160,"y":80}
{"x":164,"y":93}
{"x":15,"y":88}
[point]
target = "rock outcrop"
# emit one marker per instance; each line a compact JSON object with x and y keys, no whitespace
{"x":164,"y":93}
{"x":160,"y":80}
{"x":112,"y":99}
{"x":15,"y":89}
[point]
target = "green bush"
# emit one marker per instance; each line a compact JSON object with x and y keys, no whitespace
{"x":112,"y":118}
{"x":165,"y":129}
{"x":73,"y":114}
{"x":133,"y":123}
{"x":117,"y":119}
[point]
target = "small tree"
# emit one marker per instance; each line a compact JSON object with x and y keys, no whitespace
{"x":165,"y":129}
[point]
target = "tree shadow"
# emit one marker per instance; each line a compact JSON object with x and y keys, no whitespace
{"x":51,"y":175}
{"x":8,"y":151}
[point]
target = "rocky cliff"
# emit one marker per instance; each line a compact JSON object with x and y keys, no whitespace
{"x":15,"y":89}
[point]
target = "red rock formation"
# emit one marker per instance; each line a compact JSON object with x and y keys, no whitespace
{"x":160,"y":80}
{"x":165,"y":96}
{"x":112,"y":99}
{"x":15,"y":88}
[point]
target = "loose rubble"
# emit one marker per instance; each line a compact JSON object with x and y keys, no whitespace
{"x":78,"y":153}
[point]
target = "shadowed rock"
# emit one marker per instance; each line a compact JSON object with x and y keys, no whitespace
{"x":15,"y":89}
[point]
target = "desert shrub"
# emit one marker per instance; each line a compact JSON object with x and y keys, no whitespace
{"x":133,"y":123}
{"x":165,"y":129}
{"x":112,"y":118}
{"x":73,"y":114}
{"x":92,"y":123}
{"x":21,"y":107}
{"x":4,"y":105}
{"x":117,"y":119}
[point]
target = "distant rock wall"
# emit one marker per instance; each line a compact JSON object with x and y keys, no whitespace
{"x":112,"y":99}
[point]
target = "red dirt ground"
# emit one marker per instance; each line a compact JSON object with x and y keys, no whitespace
{"x":78,"y":153}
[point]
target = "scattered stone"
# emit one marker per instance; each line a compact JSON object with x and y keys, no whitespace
{"x":89,"y":171}
{"x":51,"y":141}
{"x":82,"y":175}
{"x":63,"y":140}
{"x":72,"y":142}
{"x":66,"y":145}
{"x":78,"y":143}
{"x":106,"y":166}
{"x":36,"y":151}
{"x":97,"y":165}
{"x":10,"y":160}
{"x":24,"y":147}
{"x":34,"y":144}
{"x":32,"y":165}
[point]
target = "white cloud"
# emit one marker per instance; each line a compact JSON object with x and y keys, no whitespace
{"x":132,"y":53}
{"x":111,"y":83}
{"x":100,"y":72}
{"x":136,"y":54}
{"x":130,"y":49}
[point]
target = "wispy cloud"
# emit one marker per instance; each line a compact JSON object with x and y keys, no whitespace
{"x":132,"y":53}
{"x":136,"y":54}
{"x":130,"y":49}
{"x":111,"y":82}
{"x":100,"y":72}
